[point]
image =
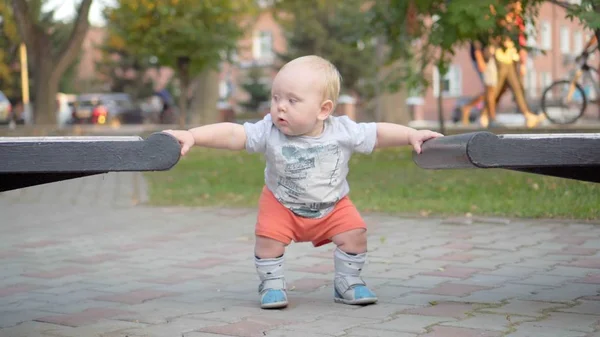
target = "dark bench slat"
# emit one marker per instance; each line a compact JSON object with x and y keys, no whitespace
{"x":30,"y":161}
{"x":574,"y":156}
{"x":158,"y":152}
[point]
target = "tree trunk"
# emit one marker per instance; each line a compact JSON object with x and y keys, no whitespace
{"x":206,"y":97}
{"x":49,"y":67}
{"x":45,"y":89}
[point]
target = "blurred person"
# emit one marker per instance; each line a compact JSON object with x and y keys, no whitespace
{"x":305,"y":197}
{"x":482,"y":57}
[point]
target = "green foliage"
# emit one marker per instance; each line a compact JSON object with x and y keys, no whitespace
{"x":337,"y":30}
{"x":201,"y":31}
{"x":258,"y":91}
{"x":9,"y":52}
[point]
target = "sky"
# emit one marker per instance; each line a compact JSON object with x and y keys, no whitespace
{"x":66,"y":9}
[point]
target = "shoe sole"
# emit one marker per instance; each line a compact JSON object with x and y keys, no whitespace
{"x":274,"y":305}
{"x":361,"y":301}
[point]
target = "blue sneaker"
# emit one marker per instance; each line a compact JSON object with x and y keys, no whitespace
{"x":354,"y":291}
{"x":272,"y":298}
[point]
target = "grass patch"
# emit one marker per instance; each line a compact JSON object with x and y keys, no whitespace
{"x":386,"y":181}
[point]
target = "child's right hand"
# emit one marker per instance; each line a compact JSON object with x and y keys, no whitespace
{"x":185,"y":138}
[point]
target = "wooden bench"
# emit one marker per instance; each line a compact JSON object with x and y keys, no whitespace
{"x":29,"y":161}
{"x":571,"y":156}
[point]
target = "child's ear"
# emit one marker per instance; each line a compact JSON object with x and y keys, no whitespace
{"x":326,"y":110}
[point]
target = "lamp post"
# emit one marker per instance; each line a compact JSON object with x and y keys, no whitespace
{"x":25,"y":83}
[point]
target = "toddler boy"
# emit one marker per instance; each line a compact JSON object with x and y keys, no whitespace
{"x":305,"y":197}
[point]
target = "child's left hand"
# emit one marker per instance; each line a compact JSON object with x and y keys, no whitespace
{"x":417,"y":138}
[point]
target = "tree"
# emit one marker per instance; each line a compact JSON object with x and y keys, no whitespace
{"x":336,"y":30}
{"x":258,"y":91}
{"x":124,"y":71}
{"x":9,"y":51}
{"x":49,"y":60}
{"x":190,"y":36}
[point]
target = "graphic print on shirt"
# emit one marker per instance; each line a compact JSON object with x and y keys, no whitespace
{"x":308,"y":168}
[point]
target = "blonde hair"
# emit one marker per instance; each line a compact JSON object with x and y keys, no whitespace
{"x":331,"y":76}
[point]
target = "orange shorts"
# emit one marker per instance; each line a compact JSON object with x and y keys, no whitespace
{"x":277,"y":222}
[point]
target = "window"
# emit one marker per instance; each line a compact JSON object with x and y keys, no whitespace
{"x":530,"y":79}
{"x":451,"y":83}
{"x":577,"y":42}
{"x":262,"y":46}
{"x":531,"y":34}
{"x":546,"y":35}
{"x":565,"y":41}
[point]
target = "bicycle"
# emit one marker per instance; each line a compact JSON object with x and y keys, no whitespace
{"x":572,"y":97}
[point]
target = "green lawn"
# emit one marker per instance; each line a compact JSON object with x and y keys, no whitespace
{"x":386,"y":181}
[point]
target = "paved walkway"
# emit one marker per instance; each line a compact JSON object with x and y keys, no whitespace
{"x":87,"y":258}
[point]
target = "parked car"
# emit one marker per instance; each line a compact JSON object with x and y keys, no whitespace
{"x":5,"y":109}
{"x":106,"y":109}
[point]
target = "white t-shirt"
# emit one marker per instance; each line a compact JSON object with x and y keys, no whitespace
{"x":308,"y":174}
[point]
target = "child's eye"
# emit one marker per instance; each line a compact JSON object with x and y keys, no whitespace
{"x":292,"y":101}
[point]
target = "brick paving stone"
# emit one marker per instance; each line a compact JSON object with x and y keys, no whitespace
{"x":570,"y":271}
{"x":454,"y":289}
{"x":524,"y":308}
{"x":569,"y":321}
{"x":28,"y":329}
{"x":17,"y":288}
{"x":85,"y":317}
{"x":448,"y":331}
{"x":592,"y":279}
{"x":454,"y":310}
{"x":583,"y":307}
{"x":593,"y":263}
{"x":545,"y":280}
{"x":285,"y":333}
{"x":332,"y":325}
{"x":487,"y":280}
{"x":573,"y":250}
{"x":420,"y":299}
{"x":135,"y":297}
{"x":180,"y":326}
{"x":459,"y":257}
{"x":39,"y":244}
{"x":363,"y":332}
{"x":488,"y":322}
{"x":566,"y":293}
{"x":572,"y":239}
{"x":380,"y":311}
{"x":104,"y":328}
{"x":308,"y":284}
{"x":459,"y":245}
{"x":409,"y":323}
{"x":509,"y":270}
{"x":423,"y":281}
{"x":94,"y":259}
{"x":454,"y":271}
{"x":57,"y":273}
{"x":204,"y":263}
{"x":528,"y":329}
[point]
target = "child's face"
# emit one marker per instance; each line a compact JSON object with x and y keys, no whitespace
{"x":297,"y":103}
